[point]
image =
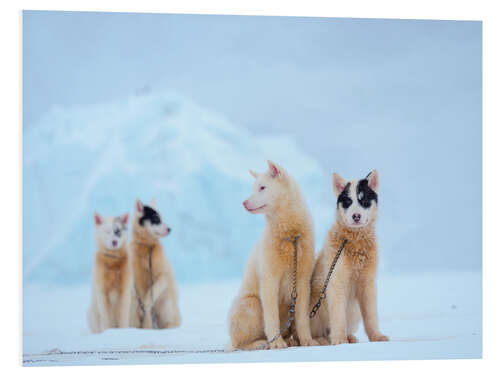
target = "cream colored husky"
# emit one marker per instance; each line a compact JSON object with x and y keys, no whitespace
{"x":111,"y":279}
{"x":260,"y":309}
{"x":351,"y":292}
{"x":154,"y":297}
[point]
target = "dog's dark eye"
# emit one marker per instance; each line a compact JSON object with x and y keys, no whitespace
{"x":344,"y":199}
{"x":118,"y":232}
{"x":365,"y":194}
{"x":346,"y":202}
{"x":262,"y":188}
{"x":155,"y":219}
{"x":365,"y":203}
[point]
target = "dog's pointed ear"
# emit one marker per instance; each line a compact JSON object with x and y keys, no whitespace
{"x":338,"y":184}
{"x":254,"y":174}
{"x":153,"y":203}
{"x":124,"y":218}
{"x":97,"y":218}
{"x":139,"y":207}
{"x":275,"y":171}
{"x":373,"y":180}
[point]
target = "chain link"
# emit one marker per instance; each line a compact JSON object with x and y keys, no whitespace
{"x":322,"y":295}
{"x":27,"y":357}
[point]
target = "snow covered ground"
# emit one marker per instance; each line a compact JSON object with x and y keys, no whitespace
{"x":427,"y":316}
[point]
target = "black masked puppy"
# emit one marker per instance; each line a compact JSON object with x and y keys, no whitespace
{"x":154,"y":298}
{"x":351,"y":293}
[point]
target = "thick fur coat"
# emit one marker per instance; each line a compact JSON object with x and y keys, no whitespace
{"x":154,"y":292}
{"x":351,"y":292}
{"x":261,"y":307}
{"x":111,"y":278}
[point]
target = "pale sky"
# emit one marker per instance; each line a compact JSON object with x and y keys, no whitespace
{"x":302,"y":76}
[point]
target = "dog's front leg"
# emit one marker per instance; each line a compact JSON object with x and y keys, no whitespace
{"x":270,"y":299}
{"x":336,"y":298}
{"x":302,"y":308}
{"x":367,"y":295}
{"x":104,"y":310}
{"x":124,"y":309}
{"x":159,"y":286}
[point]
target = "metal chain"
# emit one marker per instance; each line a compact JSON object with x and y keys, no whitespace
{"x":293,"y":296}
{"x":322,"y":295}
{"x":115,"y":352}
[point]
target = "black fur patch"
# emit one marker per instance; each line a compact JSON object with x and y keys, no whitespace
{"x":343,"y":198}
{"x":119,"y":227}
{"x":151,"y":215}
{"x":365,"y":194}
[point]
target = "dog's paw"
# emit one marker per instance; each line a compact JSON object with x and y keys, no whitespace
{"x":323,"y":341}
{"x":352,"y":339}
{"x":291,"y":341}
{"x":278,"y":344}
{"x":378,"y":337}
{"x":337,"y":340}
{"x":309,"y":342}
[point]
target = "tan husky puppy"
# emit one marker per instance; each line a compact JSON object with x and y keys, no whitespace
{"x":154,"y":293}
{"x":351,"y":292}
{"x":260,"y":310}
{"x":111,"y":279}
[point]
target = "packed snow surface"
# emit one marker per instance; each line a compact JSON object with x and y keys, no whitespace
{"x":426,"y":316}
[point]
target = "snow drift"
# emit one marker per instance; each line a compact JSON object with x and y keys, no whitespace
{"x":195,"y":162}
{"x":101,"y":157}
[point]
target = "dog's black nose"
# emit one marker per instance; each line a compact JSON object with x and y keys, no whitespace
{"x":169,"y":229}
{"x":356,"y":217}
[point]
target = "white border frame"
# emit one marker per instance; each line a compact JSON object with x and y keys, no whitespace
{"x":11,"y":149}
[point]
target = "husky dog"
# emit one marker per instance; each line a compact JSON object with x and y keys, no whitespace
{"x":260,"y":310}
{"x":351,"y":292}
{"x":111,"y":280}
{"x":154,"y":301}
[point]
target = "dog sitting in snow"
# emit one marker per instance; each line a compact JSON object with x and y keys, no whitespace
{"x":351,"y":291}
{"x":154,"y":293}
{"x":111,"y":280}
{"x":260,"y":310}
